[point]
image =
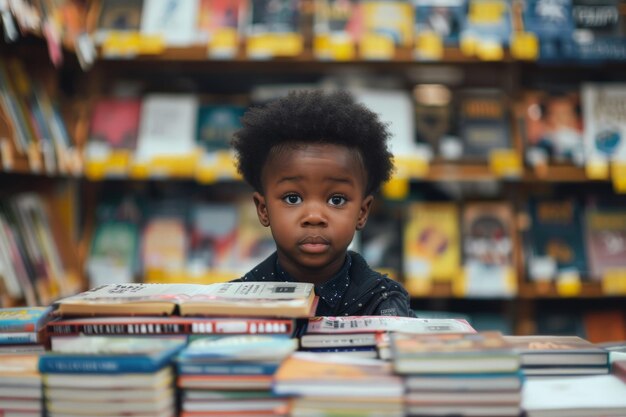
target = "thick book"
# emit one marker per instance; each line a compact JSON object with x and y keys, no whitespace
{"x":110,"y":355}
{"x":481,"y":352}
{"x":558,"y":350}
{"x":23,"y":319}
{"x":223,"y":299}
{"x":171,"y":325}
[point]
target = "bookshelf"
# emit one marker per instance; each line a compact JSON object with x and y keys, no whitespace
{"x":186,"y":69}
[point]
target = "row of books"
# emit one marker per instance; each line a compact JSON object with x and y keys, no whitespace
{"x":432,"y":122}
{"x":569,"y":29}
{"x":422,"y":243}
{"x":419,"y":367}
{"x":36,"y":262}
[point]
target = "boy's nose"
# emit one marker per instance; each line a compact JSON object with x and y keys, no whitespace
{"x":314,"y":216}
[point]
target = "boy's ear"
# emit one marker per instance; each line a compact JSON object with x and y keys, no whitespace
{"x":366,"y":205}
{"x":261,"y":208}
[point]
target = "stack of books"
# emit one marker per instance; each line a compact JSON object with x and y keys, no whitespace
{"x":20,"y":385}
{"x":470,"y":374}
{"x":339,"y":385}
{"x":224,"y":375}
{"x":110,"y":376}
{"x":543,"y":356}
{"x":21,"y":329}
{"x":365,"y":336}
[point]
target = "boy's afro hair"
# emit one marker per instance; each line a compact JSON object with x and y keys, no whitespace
{"x":313,"y":116}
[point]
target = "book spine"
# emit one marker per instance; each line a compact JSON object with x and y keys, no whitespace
{"x":227,"y":369}
{"x":17,"y":326}
{"x":59,"y":329}
{"x":61,"y":364}
{"x":17,"y":338}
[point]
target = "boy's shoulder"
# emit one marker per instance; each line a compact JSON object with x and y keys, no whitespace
{"x":363,"y":279}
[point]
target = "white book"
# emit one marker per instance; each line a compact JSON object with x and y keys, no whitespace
{"x":175,"y":20}
{"x":604,"y":117}
{"x":167,"y":126}
{"x":364,"y":324}
{"x":588,"y":396}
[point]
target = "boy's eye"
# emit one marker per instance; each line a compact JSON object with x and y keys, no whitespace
{"x":337,"y":200}
{"x":292,"y":199}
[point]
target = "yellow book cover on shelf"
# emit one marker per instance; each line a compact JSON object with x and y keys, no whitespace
{"x":431,"y":245}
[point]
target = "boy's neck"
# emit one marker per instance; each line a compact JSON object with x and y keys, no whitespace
{"x":315,"y":276}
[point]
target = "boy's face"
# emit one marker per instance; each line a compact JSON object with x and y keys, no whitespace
{"x":313,"y":200}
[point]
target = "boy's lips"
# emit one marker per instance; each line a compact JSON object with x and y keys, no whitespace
{"x":313,"y":244}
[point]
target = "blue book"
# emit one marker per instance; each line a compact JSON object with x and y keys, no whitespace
{"x":15,"y":338}
{"x":240,"y":348}
{"x":227,"y":368}
{"x":553,"y":24}
{"x":110,"y":355}
{"x":23,"y":319}
{"x":556,"y":233}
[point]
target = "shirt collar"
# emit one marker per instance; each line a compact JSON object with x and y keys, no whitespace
{"x":331,"y":291}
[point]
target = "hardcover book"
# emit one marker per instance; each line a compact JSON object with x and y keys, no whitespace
{"x":556,"y":235}
{"x":488,"y":249}
{"x":606,"y":241}
{"x":603,"y":116}
{"x":470,"y":353}
{"x":269,"y":348}
{"x":552,"y":125}
{"x":557,"y":350}
{"x":115,"y":123}
{"x":442,"y":17}
{"x":216,"y":125}
{"x":435,"y":124}
{"x":599,"y":29}
{"x":553,"y":24}
{"x":118,"y":15}
{"x":483,"y":122}
{"x":216,"y":15}
{"x":393,"y":19}
{"x":337,"y":24}
{"x":173,"y":20}
{"x":102,"y":354}
{"x":432,"y":249}
{"x":224,"y":299}
{"x":273,"y":16}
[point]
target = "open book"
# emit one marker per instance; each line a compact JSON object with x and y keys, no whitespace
{"x":262,"y":299}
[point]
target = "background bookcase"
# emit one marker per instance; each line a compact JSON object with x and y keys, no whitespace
{"x":536,"y":306}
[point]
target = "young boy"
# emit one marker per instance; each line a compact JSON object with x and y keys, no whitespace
{"x":315,"y":160}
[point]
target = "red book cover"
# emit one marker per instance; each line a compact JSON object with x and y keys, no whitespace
{"x":115,"y":122}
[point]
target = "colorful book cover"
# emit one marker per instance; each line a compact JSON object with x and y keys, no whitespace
{"x":432,"y":242}
{"x":488,"y":23}
{"x":217,"y":124}
{"x":23,"y":319}
{"x":484,"y":122}
{"x":110,"y":355}
{"x":273,"y":16}
{"x":214,"y":15}
{"x":341,"y":18}
{"x":488,"y":250}
{"x":552,"y":125}
{"x":213,"y":239}
{"x":115,"y":123}
{"x":606,"y":241}
{"x":557,"y":235}
{"x":442,"y":17}
{"x":393,"y":19}
{"x":603,"y":116}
